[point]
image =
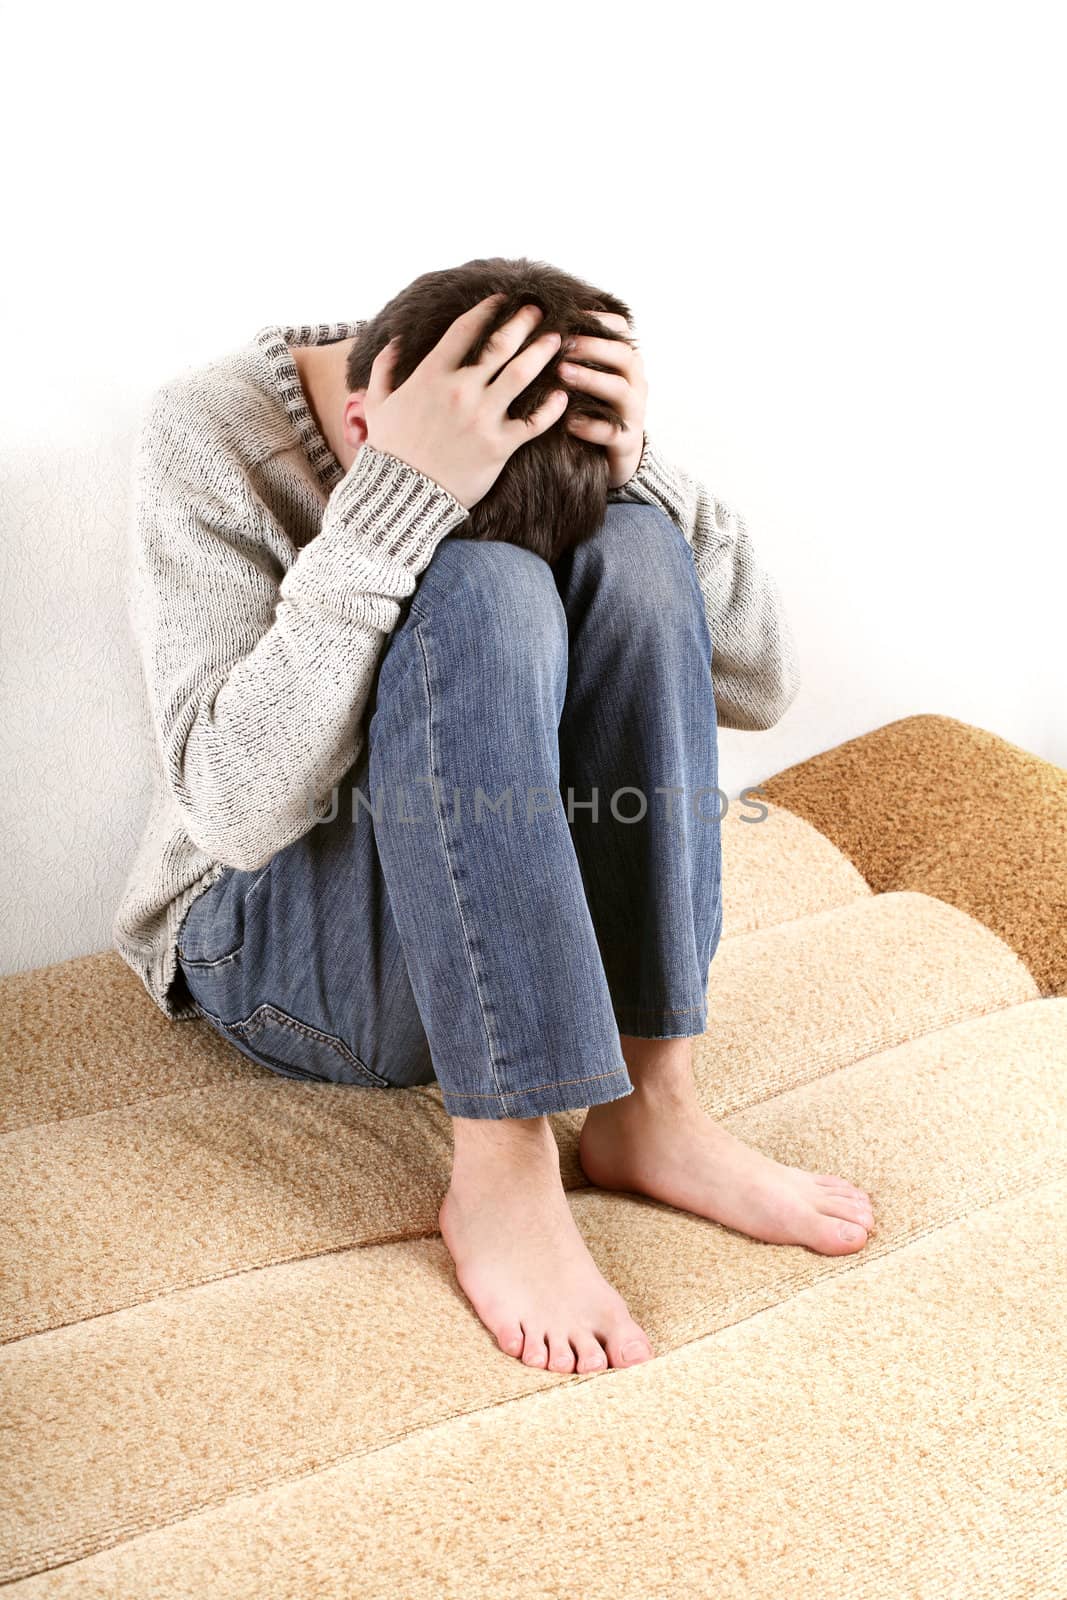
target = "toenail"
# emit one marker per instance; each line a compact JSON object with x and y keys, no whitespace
{"x":847,"y":1231}
{"x":634,"y":1350}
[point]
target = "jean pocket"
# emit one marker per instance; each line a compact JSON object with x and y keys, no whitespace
{"x":212,"y":932}
{"x":295,"y":1048}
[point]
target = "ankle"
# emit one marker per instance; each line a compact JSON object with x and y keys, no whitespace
{"x":484,"y":1149}
{"x":663,"y":1086}
{"x":659,"y":1066}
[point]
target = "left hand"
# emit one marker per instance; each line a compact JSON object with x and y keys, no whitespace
{"x":624,"y":389}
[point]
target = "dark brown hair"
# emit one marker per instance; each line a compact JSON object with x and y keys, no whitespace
{"x":552,"y":492}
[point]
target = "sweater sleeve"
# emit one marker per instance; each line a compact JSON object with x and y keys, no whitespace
{"x":754,"y":665}
{"x":256,"y":688}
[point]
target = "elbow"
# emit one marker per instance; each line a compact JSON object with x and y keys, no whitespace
{"x":217,"y":813}
{"x":759,"y":704}
{"x":231,"y":849}
{"x":781,"y":697}
{"x":780,"y":680}
{"x":246,"y":838}
{"x":225,"y":833}
{"x":231,"y":810}
{"x":244,"y":860}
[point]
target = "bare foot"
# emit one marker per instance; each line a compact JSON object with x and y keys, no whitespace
{"x":658,"y":1142}
{"x":520,"y":1258}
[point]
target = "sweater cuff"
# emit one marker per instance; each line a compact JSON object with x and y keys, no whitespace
{"x":401,"y":514}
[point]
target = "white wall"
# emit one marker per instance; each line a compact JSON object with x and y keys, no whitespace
{"x":839,"y":227}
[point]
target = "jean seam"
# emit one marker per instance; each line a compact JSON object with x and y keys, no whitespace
{"x":240,"y":1027}
{"x":635,"y":1028}
{"x":664,"y":1010}
{"x":202,"y":966}
{"x":331,"y":1039}
{"x":254,"y":885}
{"x":215,"y":961}
{"x":489,"y":1040}
{"x":402,"y":637}
{"x":535,"y":1088}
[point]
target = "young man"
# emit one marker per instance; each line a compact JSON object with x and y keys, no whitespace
{"x":313,"y":639}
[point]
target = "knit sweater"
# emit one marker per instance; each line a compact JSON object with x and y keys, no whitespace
{"x":263,"y":584}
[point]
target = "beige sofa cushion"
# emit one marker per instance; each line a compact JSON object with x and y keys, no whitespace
{"x":237,"y":1362}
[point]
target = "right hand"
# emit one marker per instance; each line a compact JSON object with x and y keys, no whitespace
{"x":450,"y":422}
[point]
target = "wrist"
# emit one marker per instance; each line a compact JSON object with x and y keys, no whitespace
{"x":632,"y":466}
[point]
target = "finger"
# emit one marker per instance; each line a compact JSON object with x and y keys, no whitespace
{"x":605,"y":385}
{"x":457,"y":339}
{"x":381,"y":372}
{"x":499,"y":350}
{"x":594,"y":429}
{"x":519,"y":429}
{"x":523,"y":368}
{"x":614,"y":319}
{"x":617,"y":353}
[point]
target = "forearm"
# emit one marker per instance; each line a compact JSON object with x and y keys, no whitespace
{"x":259,"y":689}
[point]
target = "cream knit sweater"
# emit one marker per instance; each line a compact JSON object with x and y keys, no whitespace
{"x":264,"y":582}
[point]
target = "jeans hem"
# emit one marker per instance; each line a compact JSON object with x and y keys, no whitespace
{"x":668,"y":1022}
{"x":570,"y":1095}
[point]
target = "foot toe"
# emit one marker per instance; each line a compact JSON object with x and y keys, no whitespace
{"x":830,"y":1181}
{"x":509,"y":1336}
{"x":627,"y":1346}
{"x":561,"y":1356}
{"x":534,"y":1350}
{"x":833,"y":1236}
{"x":846,"y":1208}
{"x":592,"y":1356}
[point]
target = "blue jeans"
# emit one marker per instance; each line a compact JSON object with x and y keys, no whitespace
{"x":447,"y":933}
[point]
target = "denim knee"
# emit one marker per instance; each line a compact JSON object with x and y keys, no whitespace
{"x":499,"y":601}
{"x":643,"y":566}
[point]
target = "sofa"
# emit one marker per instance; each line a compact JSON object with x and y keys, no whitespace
{"x":237,"y":1362}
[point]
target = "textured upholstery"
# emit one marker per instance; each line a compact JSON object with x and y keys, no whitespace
{"x":237,"y":1362}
